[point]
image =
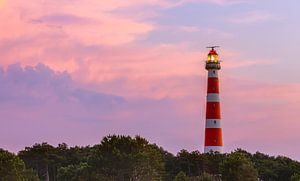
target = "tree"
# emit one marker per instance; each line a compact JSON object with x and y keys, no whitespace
{"x":212,"y":162}
{"x":191,"y":163}
{"x":284,"y":168}
{"x":271,"y":168}
{"x":181,"y":176}
{"x":42,"y":158}
{"x":126,"y":158}
{"x":74,"y":172}
{"x":295,"y":177}
{"x":133,"y":159}
{"x":206,"y":177}
{"x":236,"y":167}
{"x":265,"y":166}
{"x":13,"y":168}
{"x":171,"y":166}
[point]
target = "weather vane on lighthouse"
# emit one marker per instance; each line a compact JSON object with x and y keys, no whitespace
{"x":213,"y":129}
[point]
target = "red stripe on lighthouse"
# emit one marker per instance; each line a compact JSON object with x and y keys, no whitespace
{"x":213,"y":137}
{"x":213,"y":85}
{"x":213,"y":110}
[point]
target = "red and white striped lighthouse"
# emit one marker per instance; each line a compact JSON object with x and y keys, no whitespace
{"x":213,"y":129}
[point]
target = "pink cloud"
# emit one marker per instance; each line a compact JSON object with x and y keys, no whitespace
{"x":85,"y":39}
{"x":98,"y":24}
{"x":143,"y":70}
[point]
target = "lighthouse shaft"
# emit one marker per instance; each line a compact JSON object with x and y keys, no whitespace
{"x":213,"y":129}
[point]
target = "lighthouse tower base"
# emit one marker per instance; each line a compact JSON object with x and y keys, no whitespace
{"x":208,"y":149}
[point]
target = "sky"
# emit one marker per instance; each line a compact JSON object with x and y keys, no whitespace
{"x":75,"y":71}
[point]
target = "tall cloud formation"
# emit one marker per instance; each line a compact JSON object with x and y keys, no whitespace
{"x":39,"y":85}
{"x":39,"y":104}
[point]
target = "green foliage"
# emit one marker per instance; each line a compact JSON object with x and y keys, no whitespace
{"x":42,"y":158}
{"x":238,"y":167}
{"x":181,"y":176}
{"x":47,"y":160}
{"x":12,"y":168}
{"x":123,"y":157}
{"x":295,"y":177}
{"x":134,"y":159}
{"x":213,"y":162}
{"x":30,"y":175}
{"x":171,"y":166}
{"x":271,"y":168}
{"x":73,"y":172}
{"x":204,"y":177}
{"x":190,"y":163}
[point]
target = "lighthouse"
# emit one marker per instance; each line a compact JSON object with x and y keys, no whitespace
{"x":213,"y":128}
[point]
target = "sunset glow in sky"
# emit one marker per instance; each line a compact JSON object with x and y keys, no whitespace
{"x":76,"y":70}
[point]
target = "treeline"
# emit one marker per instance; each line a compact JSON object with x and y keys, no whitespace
{"x":122,"y":158}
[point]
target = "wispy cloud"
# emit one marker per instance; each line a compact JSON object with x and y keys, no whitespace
{"x":217,"y":2}
{"x":252,"y":18}
{"x":61,"y":19}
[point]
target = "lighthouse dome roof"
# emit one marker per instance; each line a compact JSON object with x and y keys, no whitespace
{"x":212,"y":52}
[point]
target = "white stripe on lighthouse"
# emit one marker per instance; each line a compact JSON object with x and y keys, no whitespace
{"x":213,"y":123}
{"x":208,"y":149}
{"x":213,"y":73}
{"x":213,"y":97}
